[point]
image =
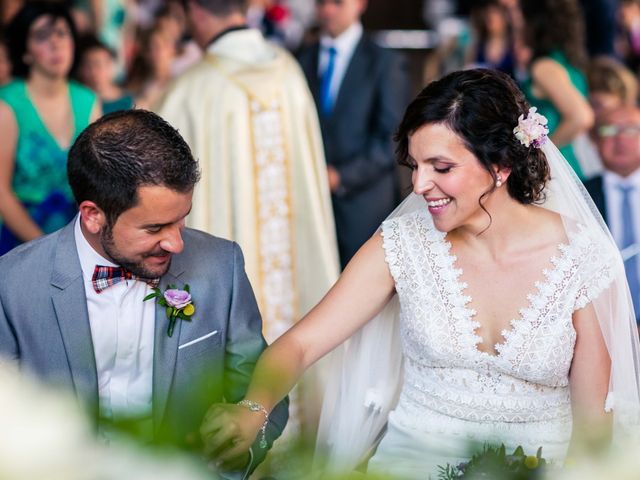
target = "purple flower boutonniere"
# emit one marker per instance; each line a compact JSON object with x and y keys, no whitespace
{"x":178,"y":304}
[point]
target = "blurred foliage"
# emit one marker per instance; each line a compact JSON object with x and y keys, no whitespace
{"x":494,"y":463}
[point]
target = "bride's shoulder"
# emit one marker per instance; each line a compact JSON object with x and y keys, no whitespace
{"x":570,"y":233}
{"x":548,"y":226}
{"x":420,"y":219}
{"x":409,"y":232}
{"x":589,"y":246}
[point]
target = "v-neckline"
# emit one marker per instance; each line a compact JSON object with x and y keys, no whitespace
{"x":458,"y":288}
{"x":44,"y":126}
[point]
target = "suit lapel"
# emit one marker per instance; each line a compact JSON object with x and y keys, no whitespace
{"x":165,"y":347}
{"x":601,"y":203}
{"x":313,"y":77}
{"x":595,"y":187}
{"x":352,"y":76}
{"x":70,"y":305}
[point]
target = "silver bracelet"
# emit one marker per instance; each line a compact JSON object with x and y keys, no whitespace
{"x":256,"y":407}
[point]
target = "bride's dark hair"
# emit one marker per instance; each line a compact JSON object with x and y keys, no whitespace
{"x":482,"y":107}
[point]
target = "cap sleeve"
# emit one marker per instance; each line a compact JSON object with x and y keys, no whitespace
{"x":596,"y":262}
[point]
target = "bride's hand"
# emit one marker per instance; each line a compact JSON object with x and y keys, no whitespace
{"x":227,"y":432}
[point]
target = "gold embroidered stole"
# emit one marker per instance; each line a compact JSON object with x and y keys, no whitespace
{"x":275,"y":232}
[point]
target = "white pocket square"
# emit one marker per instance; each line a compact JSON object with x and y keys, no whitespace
{"x":199,"y":339}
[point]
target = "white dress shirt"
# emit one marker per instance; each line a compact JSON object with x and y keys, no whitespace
{"x":613,"y":199}
{"x":122,"y":332}
{"x":345,"y":44}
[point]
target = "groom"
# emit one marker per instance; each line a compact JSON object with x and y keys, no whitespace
{"x":73,"y":308}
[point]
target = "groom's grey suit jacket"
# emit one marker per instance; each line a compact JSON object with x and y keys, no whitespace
{"x":44,"y":325}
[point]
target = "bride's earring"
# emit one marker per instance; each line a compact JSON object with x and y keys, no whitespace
{"x":499,"y":182}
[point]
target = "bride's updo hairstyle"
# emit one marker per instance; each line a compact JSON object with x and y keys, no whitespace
{"x":482,"y":107}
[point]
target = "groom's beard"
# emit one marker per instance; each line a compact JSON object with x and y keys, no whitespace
{"x":137,"y":268}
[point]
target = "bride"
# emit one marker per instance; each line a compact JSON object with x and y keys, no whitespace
{"x":490,"y":307}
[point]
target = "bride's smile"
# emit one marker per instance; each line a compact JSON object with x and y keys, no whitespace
{"x":450,"y":178}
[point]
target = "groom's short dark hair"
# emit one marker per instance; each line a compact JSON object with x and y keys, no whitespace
{"x":125,"y":150}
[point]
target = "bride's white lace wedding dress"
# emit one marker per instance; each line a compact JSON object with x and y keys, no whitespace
{"x":454,"y":394}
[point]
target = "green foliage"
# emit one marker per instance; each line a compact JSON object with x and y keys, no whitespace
{"x":493,"y":463}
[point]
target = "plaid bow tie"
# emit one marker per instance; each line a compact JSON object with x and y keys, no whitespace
{"x":104,"y":277}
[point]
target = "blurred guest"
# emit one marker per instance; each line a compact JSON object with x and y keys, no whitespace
{"x":41,"y":113}
{"x":600,"y":22}
{"x":554,"y":31}
{"x":616,"y":192}
{"x":628,"y":41}
{"x":611,"y":85}
{"x":171,"y":20}
{"x":492,"y":45}
{"x":144,"y":12}
{"x":360,"y":90}
{"x":151,"y":69}
{"x":8,"y":8}
{"x":81,"y":15}
{"x":276,"y":21}
{"x":110,"y":22}
{"x":247,"y":113}
{"x":96,"y":69}
{"x":5,"y":62}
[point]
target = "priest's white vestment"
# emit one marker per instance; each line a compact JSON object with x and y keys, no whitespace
{"x":247,"y":114}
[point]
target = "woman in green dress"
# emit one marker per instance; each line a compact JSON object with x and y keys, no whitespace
{"x":41,"y":114}
{"x":557,"y":86}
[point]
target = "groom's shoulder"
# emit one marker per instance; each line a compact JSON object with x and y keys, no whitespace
{"x":200,"y":244}
{"x":32,"y":257}
{"x":198,"y":238}
{"x":205,"y":255}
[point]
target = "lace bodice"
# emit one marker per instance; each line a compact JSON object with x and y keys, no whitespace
{"x":527,"y":381}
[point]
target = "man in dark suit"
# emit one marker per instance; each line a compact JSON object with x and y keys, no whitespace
{"x":74,"y":306}
{"x":361,"y":91}
{"x":616,"y":192}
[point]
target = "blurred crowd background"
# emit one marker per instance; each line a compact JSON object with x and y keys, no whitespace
{"x":577,"y":61}
{"x":64,"y":63}
{"x":128,"y":52}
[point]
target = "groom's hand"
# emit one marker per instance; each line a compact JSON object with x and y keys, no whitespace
{"x":227,"y":432}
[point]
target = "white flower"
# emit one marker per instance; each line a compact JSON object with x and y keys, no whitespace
{"x":45,"y":436}
{"x":532,"y":130}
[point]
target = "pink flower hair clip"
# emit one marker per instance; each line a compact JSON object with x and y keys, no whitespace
{"x":532,"y":130}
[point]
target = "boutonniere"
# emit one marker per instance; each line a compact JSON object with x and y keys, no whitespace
{"x":178,"y":304}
